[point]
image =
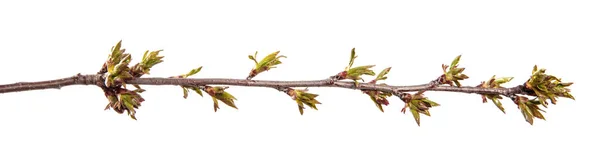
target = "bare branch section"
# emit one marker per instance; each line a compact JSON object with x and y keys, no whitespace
{"x":52,"y":84}
{"x":116,"y":74}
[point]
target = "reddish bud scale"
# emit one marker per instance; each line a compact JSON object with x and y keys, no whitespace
{"x":342,"y":75}
{"x":252,"y":74}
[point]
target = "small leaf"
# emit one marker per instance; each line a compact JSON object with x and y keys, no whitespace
{"x":198,"y":91}
{"x":498,"y":104}
{"x":301,"y":109}
{"x":270,"y":61}
{"x":185,"y":92}
{"x":216,"y":103}
{"x":455,"y":61}
{"x":503,"y":80}
{"x":117,"y":48}
{"x":303,"y":98}
{"x":416,"y":115}
{"x":352,"y":57}
{"x":383,"y":73}
{"x":377,"y":104}
{"x":193,"y":71}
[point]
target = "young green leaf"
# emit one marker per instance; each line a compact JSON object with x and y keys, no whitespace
{"x":269,"y":62}
{"x":193,"y":71}
{"x":149,"y":60}
{"x":454,"y":74}
{"x":302,"y":97}
{"x":418,"y":104}
{"x":455,"y":61}
{"x":494,"y":82}
{"x":352,"y":57}
{"x":547,"y":87}
{"x":529,"y":108}
{"x":185,"y":92}
{"x":219,"y":93}
{"x":382,"y":74}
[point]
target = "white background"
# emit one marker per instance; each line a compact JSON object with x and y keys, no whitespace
{"x":42,"y":40}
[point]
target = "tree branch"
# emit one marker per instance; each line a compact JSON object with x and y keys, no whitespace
{"x":99,"y":80}
{"x":116,"y":72}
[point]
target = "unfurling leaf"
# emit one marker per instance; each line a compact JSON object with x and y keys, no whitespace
{"x":416,"y":115}
{"x":378,"y":97}
{"x":117,"y":66}
{"x":494,"y":83}
{"x":418,"y":104}
{"x":354,"y":73}
{"x":302,"y":98}
{"x":185,"y":92}
{"x":529,"y":108}
{"x":455,"y":61}
{"x":352,"y":57}
{"x":197,"y":90}
{"x":382,"y":75}
{"x":269,"y":62}
{"x":124,"y":100}
{"x":547,"y":87}
{"x":190,"y":73}
{"x":149,"y":60}
{"x":193,"y":71}
{"x":219,"y":93}
{"x":186,"y":88}
{"x":453,"y":74}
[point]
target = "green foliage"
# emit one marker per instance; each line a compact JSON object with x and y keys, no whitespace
{"x":117,"y":66}
{"x":117,"y":71}
{"x":303,"y":98}
{"x":124,"y":100}
{"x":454,"y":74}
{"x":219,"y":93}
{"x":379,"y":97}
{"x":187,"y":88}
{"x":547,"y":87}
{"x":149,"y":60}
{"x":494,"y":83}
{"x":355,"y":73}
{"x":418,"y":104}
{"x":529,"y":108}
{"x":269,"y":62}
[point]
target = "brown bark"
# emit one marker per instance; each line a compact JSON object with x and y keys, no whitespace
{"x":99,"y":80}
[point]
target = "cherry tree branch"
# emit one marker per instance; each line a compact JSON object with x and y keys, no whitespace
{"x":116,"y":73}
{"x":96,"y":79}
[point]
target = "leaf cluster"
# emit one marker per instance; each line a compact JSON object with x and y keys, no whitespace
{"x":494,"y":83}
{"x":118,"y":71}
{"x":149,"y":60}
{"x":268,"y":62}
{"x":219,"y":94}
{"x":187,"y":88}
{"x":418,"y":104}
{"x":529,"y":108}
{"x":454,"y":74}
{"x":379,"y":97}
{"x":122,"y":100}
{"x":547,"y":87}
{"x":355,"y":73}
{"x":303,"y":98}
{"x":117,"y":66}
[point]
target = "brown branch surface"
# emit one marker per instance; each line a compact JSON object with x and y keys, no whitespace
{"x":97,"y":79}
